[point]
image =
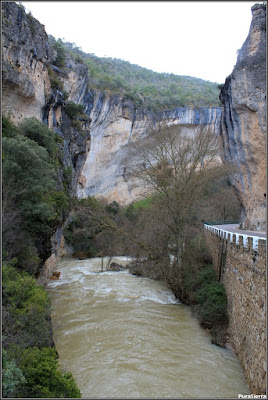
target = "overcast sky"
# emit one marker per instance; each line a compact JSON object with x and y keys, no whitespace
{"x":197,"y":39}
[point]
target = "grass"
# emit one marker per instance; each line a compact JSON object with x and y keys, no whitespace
{"x":144,"y":203}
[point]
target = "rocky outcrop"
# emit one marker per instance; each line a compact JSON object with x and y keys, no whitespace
{"x":28,"y":89}
{"x":94,"y":149}
{"x":243,"y":127}
{"x":94,"y":156}
{"x":114,"y":125}
{"x":115,"y":267}
{"x":26,"y":56}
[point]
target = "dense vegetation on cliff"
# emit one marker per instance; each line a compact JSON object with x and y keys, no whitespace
{"x":156,"y":91}
{"x":33,"y":206}
{"x":34,"y":201}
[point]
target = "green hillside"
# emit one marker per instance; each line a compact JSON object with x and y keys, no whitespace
{"x":153,"y":90}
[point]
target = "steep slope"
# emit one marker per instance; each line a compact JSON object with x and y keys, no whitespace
{"x":243,"y":127}
{"x":34,"y":86}
{"x":145,"y":88}
{"x":115,"y":125}
{"x":94,"y":136}
{"x":26,"y":56}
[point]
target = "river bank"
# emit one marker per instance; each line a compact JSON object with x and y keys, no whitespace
{"x":201,"y":291}
{"x":129,"y":337}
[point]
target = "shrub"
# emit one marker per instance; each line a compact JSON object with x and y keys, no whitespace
{"x":55,"y":82}
{"x":31,"y":370}
{"x":28,"y":258}
{"x":27,"y":176}
{"x":27,"y":308}
{"x":65,"y":94}
{"x":113,"y":208}
{"x":143,"y":204}
{"x":208,"y":297}
{"x":61,"y":53}
{"x":212,"y":302}
{"x":73,"y":110}
{"x":12,"y":376}
{"x":131,"y":214}
{"x":79,"y":59}
{"x":43,"y":376}
{"x":41,"y":134}
{"x":60,"y":202}
{"x":32,"y":207}
{"x":8,"y":129}
{"x":76,"y":124}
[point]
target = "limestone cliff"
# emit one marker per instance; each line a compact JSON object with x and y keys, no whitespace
{"x":95,"y":156}
{"x":26,"y":56}
{"x":115,"y":124}
{"x":27,"y":89}
{"x":93,"y":148}
{"x":243,"y":127}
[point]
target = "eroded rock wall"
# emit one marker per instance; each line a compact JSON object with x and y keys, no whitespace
{"x":25,"y":57}
{"x":116,"y":124}
{"x":97,"y":152}
{"x":94,"y":150}
{"x":27,"y":89}
{"x":243,"y":127}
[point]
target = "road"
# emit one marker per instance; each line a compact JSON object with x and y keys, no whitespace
{"x":234,"y":228}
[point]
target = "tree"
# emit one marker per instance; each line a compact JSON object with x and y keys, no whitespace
{"x":32,"y":205}
{"x":61,"y":53}
{"x":41,"y":134}
{"x":27,"y":180}
{"x":176,"y":167}
{"x":73,"y":110}
{"x":26,"y":308}
{"x":43,"y":376}
{"x":12,"y":376}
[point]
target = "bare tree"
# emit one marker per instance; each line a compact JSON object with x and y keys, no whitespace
{"x":176,"y":167}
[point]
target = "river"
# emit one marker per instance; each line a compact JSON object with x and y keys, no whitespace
{"x":124,"y":336}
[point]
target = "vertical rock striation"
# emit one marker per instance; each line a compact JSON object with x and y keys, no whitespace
{"x":96,"y":152}
{"x":27,"y":90}
{"x":94,"y":147}
{"x":26,"y":55}
{"x":114,"y":125}
{"x":243,"y":127}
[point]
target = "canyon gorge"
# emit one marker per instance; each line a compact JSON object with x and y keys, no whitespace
{"x":97,"y":155}
{"x":95,"y":144}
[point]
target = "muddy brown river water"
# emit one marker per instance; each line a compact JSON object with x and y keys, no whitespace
{"x":126,"y":337}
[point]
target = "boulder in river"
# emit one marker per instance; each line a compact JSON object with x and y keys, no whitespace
{"x":115,"y":267}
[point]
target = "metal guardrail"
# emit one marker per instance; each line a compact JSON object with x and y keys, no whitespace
{"x":220,"y":231}
{"x":223,"y":222}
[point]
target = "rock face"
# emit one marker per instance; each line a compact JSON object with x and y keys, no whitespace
{"x":243,"y":127}
{"x":26,"y":55}
{"x":95,"y":153}
{"x":115,"y":124}
{"x":27,"y":89}
{"x":93,"y":148}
